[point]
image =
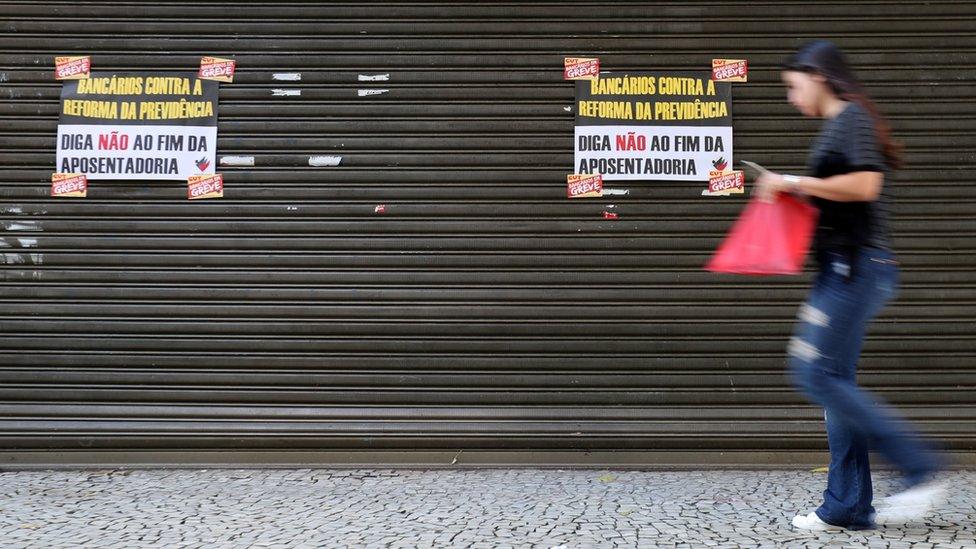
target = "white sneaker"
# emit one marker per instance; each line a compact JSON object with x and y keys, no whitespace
{"x":912,"y":504}
{"x":813,"y":523}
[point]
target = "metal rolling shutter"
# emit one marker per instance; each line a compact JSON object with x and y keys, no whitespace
{"x":483,"y":312}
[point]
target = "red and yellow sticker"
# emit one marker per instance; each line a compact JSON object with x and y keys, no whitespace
{"x":216,"y":68}
{"x":205,"y":186}
{"x":584,"y":185}
{"x":725,"y":183}
{"x":72,"y":68}
{"x":581,"y":68}
{"x":74,"y":185}
{"x":730,"y":70}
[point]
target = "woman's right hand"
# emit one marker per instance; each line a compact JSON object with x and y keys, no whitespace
{"x":768,"y":185}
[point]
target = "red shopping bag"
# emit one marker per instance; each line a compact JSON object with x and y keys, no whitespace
{"x":769,"y":238}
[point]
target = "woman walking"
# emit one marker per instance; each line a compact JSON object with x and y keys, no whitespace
{"x":857,"y":275}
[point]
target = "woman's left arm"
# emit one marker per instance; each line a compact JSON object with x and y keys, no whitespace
{"x":849,"y":187}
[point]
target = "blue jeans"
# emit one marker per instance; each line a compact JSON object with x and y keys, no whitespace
{"x":847,"y":294}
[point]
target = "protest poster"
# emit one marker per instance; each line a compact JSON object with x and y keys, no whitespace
{"x":730,"y":70}
{"x":205,"y":186}
{"x":581,"y":68}
{"x":138,"y":125}
{"x":72,"y":68}
{"x":69,"y":185}
{"x":584,"y":186}
{"x":217,"y":68}
{"x":662,"y":126}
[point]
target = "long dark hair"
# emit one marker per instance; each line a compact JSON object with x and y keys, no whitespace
{"x":825,"y":58}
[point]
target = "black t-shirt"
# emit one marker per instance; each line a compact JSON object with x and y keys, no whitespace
{"x":848,"y":143}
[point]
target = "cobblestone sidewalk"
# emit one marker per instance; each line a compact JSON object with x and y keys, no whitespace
{"x":454,"y":508}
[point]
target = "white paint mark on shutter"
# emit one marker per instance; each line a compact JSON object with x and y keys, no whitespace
{"x":324,"y":160}
{"x":236,"y":160}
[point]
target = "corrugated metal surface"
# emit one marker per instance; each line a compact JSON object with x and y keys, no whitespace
{"x":483,"y":311}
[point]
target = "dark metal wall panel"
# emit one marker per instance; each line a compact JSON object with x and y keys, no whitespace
{"x":483,"y":311}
